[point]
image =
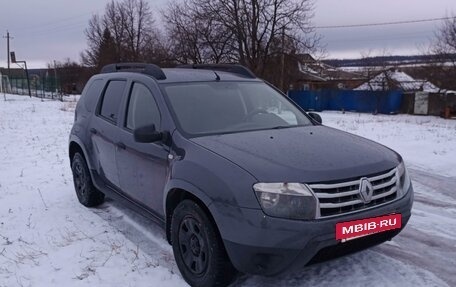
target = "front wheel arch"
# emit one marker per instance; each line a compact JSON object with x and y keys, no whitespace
{"x":199,"y":251}
{"x":173,"y":198}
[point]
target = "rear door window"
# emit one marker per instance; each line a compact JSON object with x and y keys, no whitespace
{"x":93,"y":94}
{"x":111,"y":100}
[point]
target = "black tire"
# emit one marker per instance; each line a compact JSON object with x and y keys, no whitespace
{"x":86,"y":192}
{"x":198,"y":248}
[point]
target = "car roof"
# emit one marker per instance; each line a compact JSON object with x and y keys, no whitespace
{"x":179,"y":75}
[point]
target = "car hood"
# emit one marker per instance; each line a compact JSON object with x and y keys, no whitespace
{"x":302,"y":154}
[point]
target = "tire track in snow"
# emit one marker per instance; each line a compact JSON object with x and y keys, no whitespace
{"x":147,"y":235}
{"x":442,"y":184}
{"x":429,"y":239}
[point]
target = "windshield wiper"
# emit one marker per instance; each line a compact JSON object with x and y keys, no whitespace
{"x":281,"y":127}
{"x":285,"y":127}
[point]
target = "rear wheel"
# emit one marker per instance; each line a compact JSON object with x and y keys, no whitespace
{"x":86,"y":192}
{"x":198,"y":248}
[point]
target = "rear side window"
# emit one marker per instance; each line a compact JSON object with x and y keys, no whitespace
{"x":92,"y":94}
{"x":111,"y":100}
{"x":142,"y":109}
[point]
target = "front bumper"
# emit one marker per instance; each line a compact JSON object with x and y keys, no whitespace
{"x":259,"y":244}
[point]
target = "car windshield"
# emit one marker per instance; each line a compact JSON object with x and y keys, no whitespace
{"x":203,"y":108}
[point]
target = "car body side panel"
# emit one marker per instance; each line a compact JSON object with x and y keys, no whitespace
{"x":143,"y":171}
{"x":143,"y":167}
{"x":104,"y":147}
{"x":177,"y":183}
{"x":218,"y":177}
{"x":80,"y":133}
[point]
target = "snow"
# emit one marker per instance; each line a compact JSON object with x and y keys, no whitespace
{"x":48,"y":239}
{"x":404,"y":81}
{"x":425,"y":142}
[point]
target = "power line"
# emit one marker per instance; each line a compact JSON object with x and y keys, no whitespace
{"x":373,"y":38}
{"x":57,"y":21}
{"x":385,"y":23}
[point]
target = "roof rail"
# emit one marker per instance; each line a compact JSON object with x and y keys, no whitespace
{"x":230,"y":68}
{"x":148,"y":69}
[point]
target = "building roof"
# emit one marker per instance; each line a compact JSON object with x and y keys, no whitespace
{"x":397,"y":80}
{"x":315,"y":70}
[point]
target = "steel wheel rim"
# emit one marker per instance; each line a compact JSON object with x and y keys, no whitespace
{"x":193,"y":246}
{"x":79,"y":178}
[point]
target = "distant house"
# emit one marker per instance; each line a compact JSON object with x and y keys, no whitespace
{"x":397,"y":80}
{"x":315,"y":75}
{"x":419,"y":96}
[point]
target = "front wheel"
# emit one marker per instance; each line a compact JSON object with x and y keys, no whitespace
{"x":198,"y":248}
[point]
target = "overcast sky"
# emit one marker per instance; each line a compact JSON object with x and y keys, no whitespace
{"x":54,"y":29}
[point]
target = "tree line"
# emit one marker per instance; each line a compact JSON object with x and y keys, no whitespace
{"x":254,"y":33}
{"x":267,"y":36}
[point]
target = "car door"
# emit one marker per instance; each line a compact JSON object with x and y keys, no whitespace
{"x":105,"y":132}
{"x":142,"y":167}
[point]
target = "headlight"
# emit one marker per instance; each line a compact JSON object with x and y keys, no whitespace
{"x":403,"y":179}
{"x":286,"y":200}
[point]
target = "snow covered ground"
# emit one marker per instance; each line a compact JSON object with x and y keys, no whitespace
{"x":48,"y":239}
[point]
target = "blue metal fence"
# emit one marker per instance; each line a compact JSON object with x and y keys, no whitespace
{"x":387,"y":102}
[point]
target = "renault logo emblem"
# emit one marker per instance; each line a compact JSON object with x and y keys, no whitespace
{"x":365,"y":190}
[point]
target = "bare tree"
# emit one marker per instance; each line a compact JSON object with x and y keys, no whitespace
{"x":245,"y":31}
{"x":445,"y":39}
{"x":197,"y":38}
{"x":94,"y":34}
{"x":138,"y":27}
{"x":158,"y":50}
{"x":443,"y":71}
{"x":125,"y":32}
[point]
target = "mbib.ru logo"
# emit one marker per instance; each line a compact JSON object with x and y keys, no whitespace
{"x":356,"y":228}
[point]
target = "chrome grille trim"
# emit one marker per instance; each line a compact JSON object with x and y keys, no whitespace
{"x":335,"y":205}
{"x":391,"y":182}
{"x":342,"y":194}
{"x":353,"y":182}
{"x":341,"y":198}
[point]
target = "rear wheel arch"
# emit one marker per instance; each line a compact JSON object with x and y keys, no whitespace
{"x":75,"y":148}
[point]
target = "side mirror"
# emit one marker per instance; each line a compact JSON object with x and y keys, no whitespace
{"x":316,"y":117}
{"x":147,"y":134}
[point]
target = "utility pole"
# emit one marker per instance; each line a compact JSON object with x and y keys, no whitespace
{"x":282,"y":69}
{"x":282,"y":72}
{"x":55,"y":78}
{"x":8,"y":37}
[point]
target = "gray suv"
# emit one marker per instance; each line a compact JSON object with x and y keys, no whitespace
{"x":239,"y":177}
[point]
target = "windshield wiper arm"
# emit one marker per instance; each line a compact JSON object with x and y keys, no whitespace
{"x":281,"y":127}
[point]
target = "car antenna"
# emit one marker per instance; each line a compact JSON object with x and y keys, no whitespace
{"x":217,"y":77}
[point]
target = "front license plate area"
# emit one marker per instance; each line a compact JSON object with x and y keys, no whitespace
{"x":363,"y":227}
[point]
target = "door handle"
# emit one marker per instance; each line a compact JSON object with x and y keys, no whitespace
{"x":94,"y":131}
{"x":121,"y":145}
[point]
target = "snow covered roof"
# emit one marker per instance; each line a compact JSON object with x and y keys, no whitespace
{"x":319,"y":71}
{"x":394,"y":79}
